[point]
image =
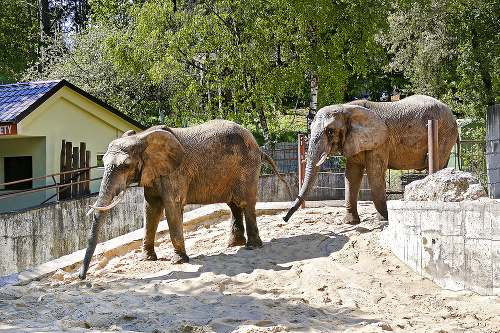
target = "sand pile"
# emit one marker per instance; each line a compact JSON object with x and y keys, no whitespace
{"x":314,"y":274}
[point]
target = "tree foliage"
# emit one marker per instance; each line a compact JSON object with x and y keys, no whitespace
{"x":450,"y":50}
{"x":186,"y":61}
{"x":249,"y":60}
{"x":18,"y":39}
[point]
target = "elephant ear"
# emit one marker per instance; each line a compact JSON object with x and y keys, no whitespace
{"x":163,"y":153}
{"x":366,"y":130}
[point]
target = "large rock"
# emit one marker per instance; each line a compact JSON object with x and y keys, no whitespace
{"x":445,"y":185}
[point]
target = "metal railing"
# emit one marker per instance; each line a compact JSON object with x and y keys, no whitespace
{"x":471,"y":157}
{"x":60,"y":187}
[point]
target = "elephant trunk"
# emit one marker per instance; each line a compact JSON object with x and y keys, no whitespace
{"x":310,"y":179}
{"x":105,"y":197}
{"x":315,"y":157}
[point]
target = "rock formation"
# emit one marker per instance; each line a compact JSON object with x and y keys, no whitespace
{"x":445,"y":185}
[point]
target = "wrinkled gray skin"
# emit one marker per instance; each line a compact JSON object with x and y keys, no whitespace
{"x":218,"y":161}
{"x":376,"y":136}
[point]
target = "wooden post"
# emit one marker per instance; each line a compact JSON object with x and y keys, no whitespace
{"x":432,"y":142}
{"x":302,"y":159}
{"x":87,"y":173}
{"x":67,"y":165}
{"x":75,"y":165}
{"x":83,"y":175}
{"x":62,"y":169}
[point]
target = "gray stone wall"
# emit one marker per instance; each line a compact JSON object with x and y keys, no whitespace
{"x":455,"y":244}
{"x":34,"y":236}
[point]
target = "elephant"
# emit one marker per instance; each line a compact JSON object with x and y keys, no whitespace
{"x":215,"y":162}
{"x":375,"y":136}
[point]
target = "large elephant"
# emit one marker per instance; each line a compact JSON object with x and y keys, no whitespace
{"x":376,"y":136}
{"x":218,"y":161}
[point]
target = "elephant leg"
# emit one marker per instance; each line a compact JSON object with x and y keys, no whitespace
{"x":173,"y":213}
{"x":237,"y":235}
{"x":254,"y":240}
{"x":353,"y":180}
{"x":153,"y":210}
{"x":376,"y":168}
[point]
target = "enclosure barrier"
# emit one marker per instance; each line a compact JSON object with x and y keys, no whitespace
{"x":74,"y":175}
{"x":493,"y":150}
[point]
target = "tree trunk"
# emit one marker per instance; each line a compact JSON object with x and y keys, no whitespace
{"x":44,"y":18}
{"x":264,"y":127}
{"x":313,"y":105}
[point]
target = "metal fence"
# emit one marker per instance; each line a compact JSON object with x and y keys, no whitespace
{"x":469,"y":156}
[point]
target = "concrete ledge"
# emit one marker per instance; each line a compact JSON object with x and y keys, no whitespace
{"x":204,"y":215}
{"x":455,"y":244}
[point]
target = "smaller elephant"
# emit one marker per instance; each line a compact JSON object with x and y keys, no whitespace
{"x":375,"y":136}
{"x":218,"y":161}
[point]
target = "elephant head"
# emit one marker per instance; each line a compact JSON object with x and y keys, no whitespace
{"x":347,"y":128}
{"x":132,"y":158}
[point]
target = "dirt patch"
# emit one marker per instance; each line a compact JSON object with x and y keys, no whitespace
{"x":313,"y":274}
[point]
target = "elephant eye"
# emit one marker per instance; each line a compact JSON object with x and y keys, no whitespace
{"x":329,"y":131}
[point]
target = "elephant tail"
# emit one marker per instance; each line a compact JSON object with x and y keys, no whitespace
{"x":269,"y":160}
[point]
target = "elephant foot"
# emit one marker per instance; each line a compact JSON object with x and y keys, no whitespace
{"x":254,"y":243}
{"x":236,"y":240}
{"x":179,"y":258}
{"x":148,"y":256}
{"x":351,"y":218}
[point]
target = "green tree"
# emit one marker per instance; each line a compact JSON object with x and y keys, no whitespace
{"x":339,"y":43}
{"x":248,"y":61}
{"x":19,"y":38}
{"x":449,"y":49}
{"x":249,"y":56}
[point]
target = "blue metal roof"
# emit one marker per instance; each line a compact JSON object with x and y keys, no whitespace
{"x":19,"y":97}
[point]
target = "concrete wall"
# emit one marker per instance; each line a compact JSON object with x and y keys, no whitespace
{"x":455,"y":244}
{"x":32,"y":237}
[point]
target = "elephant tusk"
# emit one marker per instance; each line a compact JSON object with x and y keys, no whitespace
{"x":108,"y":206}
{"x":322,"y":160}
{"x":90,"y":211}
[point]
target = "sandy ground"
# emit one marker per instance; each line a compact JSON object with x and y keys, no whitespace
{"x":314,"y":274}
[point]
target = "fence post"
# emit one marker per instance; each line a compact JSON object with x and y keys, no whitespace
{"x":87,"y":173}
{"x":432,"y":142}
{"x":301,"y":160}
{"x":67,"y":167}
{"x":74,"y":176}
{"x":82,"y":177}
{"x":62,"y":169}
{"x":493,"y":150}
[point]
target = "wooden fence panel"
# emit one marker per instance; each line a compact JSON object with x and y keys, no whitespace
{"x":74,"y":158}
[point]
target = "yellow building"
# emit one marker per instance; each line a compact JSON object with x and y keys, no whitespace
{"x":35,"y":118}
